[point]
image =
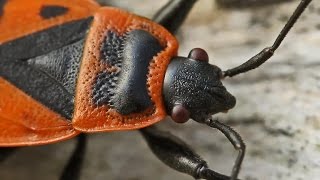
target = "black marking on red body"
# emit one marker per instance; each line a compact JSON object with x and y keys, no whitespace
{"x":50,"y":76}
{"x":43,"y":42}
{"x":62,"y":64}
{"x":111,"y":49}
{"x":38,"y":85}
{"x":127,"y":91}
{"x":2,"y":4}
{"x":51,"y":11}
{"x":104,"y":88}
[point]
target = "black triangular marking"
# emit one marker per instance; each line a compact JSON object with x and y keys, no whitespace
{"x":50,"y":11}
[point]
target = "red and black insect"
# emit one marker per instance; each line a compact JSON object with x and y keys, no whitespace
{"x":71,"y":67}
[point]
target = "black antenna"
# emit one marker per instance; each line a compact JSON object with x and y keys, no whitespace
{"x":266,"y":53}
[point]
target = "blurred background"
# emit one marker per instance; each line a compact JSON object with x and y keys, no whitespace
{"x":277,"y":111}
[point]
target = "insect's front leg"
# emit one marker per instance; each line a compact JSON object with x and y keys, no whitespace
{"x":235,"y":140}
{"x":178,"y":155}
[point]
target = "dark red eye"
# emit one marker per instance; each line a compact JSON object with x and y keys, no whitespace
{"x":199,"y":55}
{"x":180,"y":114}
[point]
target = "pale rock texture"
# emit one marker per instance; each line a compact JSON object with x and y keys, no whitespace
{"x":277,"y":111}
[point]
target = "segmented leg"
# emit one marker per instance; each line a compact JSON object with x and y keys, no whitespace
{"x":73,"y":168}
{"x":235,"y":140}
{"x":172,"y":15}
{"x":178,"y":155}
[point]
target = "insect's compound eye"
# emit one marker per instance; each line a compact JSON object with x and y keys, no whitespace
{"x":180,"y":114}
{"x":199,"y":55}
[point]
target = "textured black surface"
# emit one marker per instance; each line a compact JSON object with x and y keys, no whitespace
{"x":112,"y":49}
{"x":48,"y":78}
{"x":197,"y":86}
{"x":61,"y":64}
{"x":130,"y":92}
{"x":2,"y":3}
{"x":38,"y":85}
{"x":104,"y":88}
{"x":51,"y":11}
{"x":45,"y":41}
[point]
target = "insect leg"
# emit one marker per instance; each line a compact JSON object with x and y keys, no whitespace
{"x":178,"y":155}
{"x":172,"y":15}
{"x":72,"y":170}
{"x":6,"y":152}
{"x":235,"y":140}
{"x":266,"y":53}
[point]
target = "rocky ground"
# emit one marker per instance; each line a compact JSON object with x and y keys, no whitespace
{"x":276,"y":112}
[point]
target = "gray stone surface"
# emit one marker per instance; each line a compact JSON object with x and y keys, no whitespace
{"x":276,"y":112}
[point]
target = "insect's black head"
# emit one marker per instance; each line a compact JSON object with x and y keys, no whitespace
{"x":193,"y":88}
